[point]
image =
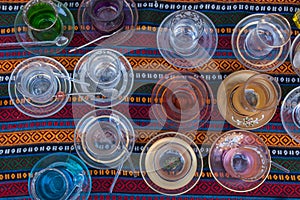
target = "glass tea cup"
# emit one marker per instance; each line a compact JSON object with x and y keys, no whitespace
{"x":42,"y":20}
{"x":185,"y":32}
{"x":239,"y":160}
{"x":107,"y":16}
{"x":59,"y":176}
{"x":37,"y":82}
{"x":295,"y":54}
{"x":246,"y":162}
{"x":272,"y":31}
{"x":258,"y":93}
{"x":103,"y":68}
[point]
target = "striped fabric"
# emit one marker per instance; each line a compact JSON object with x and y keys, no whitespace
{"x":24,"y":140}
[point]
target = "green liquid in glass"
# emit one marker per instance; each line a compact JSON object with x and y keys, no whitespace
{"x":42,"y":16}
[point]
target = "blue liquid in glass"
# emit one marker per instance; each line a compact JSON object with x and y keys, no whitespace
{"x":53,"y":185}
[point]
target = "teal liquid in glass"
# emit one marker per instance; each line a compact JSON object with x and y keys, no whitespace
{"x":43,"y":18}
{"x":53,"y":184}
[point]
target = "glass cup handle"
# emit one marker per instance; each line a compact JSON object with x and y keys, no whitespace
{"x":77,"y":187}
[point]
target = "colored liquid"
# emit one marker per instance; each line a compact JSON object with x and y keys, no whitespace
{"x":107,"y":16}
{"x":52,"y":184}
{"x":43,"y":18}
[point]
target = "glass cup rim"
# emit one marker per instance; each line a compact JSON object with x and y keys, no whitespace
{"x":37,"y":174}
{"x":259,"y":153}
{"x":178,"y":13}
{"x":20,"y":86}
{"x":91,"y":13}
{"x":284,"y":21}
{"x":29,"y":4}
{"x":267,"y":77}
{"x":102,"y":53}
{"x":295,"y":44}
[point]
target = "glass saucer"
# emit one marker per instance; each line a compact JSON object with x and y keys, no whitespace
{"x":232,"y":140}
{"x":205,"y":48}
{"x":275,"y":58}
{"x":68,"y":166}
{"x":104,"y":138}
{"x":289,"y":113}
{"x":23,"y":35}
{"x":182,"y":101}
{"x":41,"y":109}
{"x":171,"y":163}
{"x":94,"y":95}
{"x":229,"y":113}
{"x":90,"y":33}
{"x":295,"y":54}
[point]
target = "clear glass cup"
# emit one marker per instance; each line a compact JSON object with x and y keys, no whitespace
{"x":182,"y":101}
{"x":260,"y":92}
{"x":272,"y":31}
{"x":39,"y":86}
{"x":186,"y":32}
{"x":37,"y":82}
{"x":59,"y":176}
{"x":107,"y":16}
{"x":42,"y":20}
{"x":187,"y":39}
{"x":261,"y":42}
{"x":108,"y":77}
{"x":290,"y":114}
{"x":295,"y":54}
{"x":103,"y":67}
{"x":104,"y":139}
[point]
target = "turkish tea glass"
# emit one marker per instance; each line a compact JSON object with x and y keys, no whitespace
{"x":261,"y":92}
{"x":295,"y":55}
{"x":261,"y":42}
{"x":107,"y":16}
{"x":104,"y":69}
{"x":42,"y":20}
{"x":59,"y":176}
{"x":37,"y":82}
{"x":185,"y":32}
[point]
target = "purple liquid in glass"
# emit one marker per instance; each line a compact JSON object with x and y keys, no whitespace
{"x":107,"y":16}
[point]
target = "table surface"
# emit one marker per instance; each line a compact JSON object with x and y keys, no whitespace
{"x":25,"y":140}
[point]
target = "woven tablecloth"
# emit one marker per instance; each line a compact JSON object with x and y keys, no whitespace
{"x":25,"y":140}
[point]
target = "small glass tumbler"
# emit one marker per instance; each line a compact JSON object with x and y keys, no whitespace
{"x":37,"y":82}
{"x":103,"y":68}
{"x":186,"y":29}
{"x":104,"y":139}
{"x":239,"y":160}
{"x":59,"y":176}
{"x":261,"y":92}
{"x":247,"y":162}
{"x":295,"y":54}
{"x":272,"y":31}
{"x":42,"y":20}
{"x":106,"y":15}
